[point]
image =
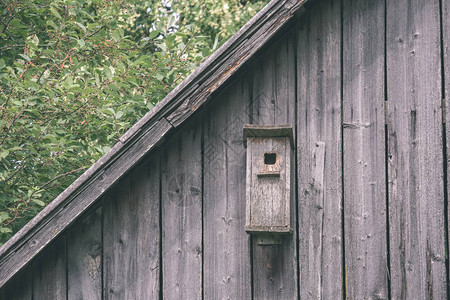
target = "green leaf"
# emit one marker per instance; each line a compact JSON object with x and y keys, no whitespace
{"x":163,"y":47}
{"x":3,"y":216}
{"x":159,"y":76}
{"x":108,"y":73}
{"x":5,"y":230}
{"x":33,"y":40}
{"x":25,"y":57}
{"x":52,"y":24}
{"x":55,"y":12}
{"x":39,"y":202}
{"x":81,"y":43}
{"x":119,"y":115}
{"x":4,"y":154}
{"x":81,"y":26}
{"x":2,"y":63}
{"x":153,"y":34}
{"x":116,"y":35}
{"x":205,"y":52}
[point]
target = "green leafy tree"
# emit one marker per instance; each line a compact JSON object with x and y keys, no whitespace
{"x":216,"y":19}
{"x":75,"y":75}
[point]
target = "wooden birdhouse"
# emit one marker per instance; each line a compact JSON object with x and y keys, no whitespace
{"x":269,"y":190}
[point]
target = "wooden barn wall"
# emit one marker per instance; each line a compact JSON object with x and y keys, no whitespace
{"x":364,"y":83}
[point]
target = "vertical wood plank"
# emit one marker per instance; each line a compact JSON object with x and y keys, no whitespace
{"x":227,"y":272}
{"x":364,"y":150}
{"x":84,"y":255}
{"x":132,"y":235}
{"x":416,"y":199}
{"x":181,"y":165}
{"x":275,"y":267}
{"x":445,"y":94}
{"x":19,"y":287}
{"x":319,"y":129}
{"x":49,"y":272}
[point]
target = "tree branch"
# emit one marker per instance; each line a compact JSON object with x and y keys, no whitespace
{"x":11,"y":46}
{"x":61,"y":175}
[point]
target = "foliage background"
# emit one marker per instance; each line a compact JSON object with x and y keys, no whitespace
{"x":75,"y":75}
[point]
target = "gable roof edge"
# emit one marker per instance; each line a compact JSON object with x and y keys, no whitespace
{"x":144,"y":136}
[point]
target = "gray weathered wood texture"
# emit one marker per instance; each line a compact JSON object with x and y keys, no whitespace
{"x":416,"y":192}
{"x":19,"y":287}
{"x":273,"y":102}
{"x":319,"y":151}
{"x":445,"y":94}
{"x":227,"y":268}
{"x":49,"y":272}
{"x":182,"y":195}
{"x":84,"y":257}
{"x":268,"y":197}
{"x":366,"y":262}
{"x":131,"y":235}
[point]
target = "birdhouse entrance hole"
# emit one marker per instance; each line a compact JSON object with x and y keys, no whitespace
{"x":270,"y":158}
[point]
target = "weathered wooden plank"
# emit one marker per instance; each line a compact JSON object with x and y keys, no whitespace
{"x":227,"y":270}
{"x":63,"y":211}
{"x":445,"y":95}
{"x":364,"y":150}
{"x":181,"y":193}
{"x":84,"y":257}
{"x":415,"y":171}
{"x":273,"y":99}
{"x":132,"y":235}
{"x":319,"y":138}
{"x":49,"y":272}
{"x":19,"y":287}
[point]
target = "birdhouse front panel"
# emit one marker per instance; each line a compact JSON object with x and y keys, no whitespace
{"x":268,"y":208}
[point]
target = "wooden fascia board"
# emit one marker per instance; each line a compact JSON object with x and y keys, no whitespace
{"x":144,"y":136}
